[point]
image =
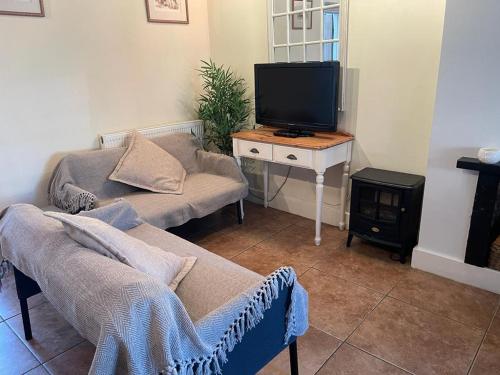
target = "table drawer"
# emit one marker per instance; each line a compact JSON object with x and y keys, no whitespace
{"x":293,"y":156}
{"x":256,"y":150}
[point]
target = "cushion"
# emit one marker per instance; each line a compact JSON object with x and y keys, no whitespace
{"x":119,"y":214}
{"x":113,"y":243}
{"x":147,"y":166}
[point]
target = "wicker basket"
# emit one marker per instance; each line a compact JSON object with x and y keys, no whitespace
{"x":495,"y":255}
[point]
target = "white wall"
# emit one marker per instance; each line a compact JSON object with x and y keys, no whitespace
{"x":393,"y":52}
{"x":467,"y":117}
{"x":88,"y":67}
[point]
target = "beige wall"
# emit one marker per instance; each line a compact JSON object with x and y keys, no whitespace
{"x":466,"y":119}
{"x":238,"y":36}
{"x":88,"y":67}
{"x":393,"y":52}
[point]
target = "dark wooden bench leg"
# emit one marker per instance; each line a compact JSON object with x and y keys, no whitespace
{"x":294,"y":360}
{"x":239,"y":213}
{"x":349,"y":239}
{"x":26,"y":318}
{"x":26,"y":288}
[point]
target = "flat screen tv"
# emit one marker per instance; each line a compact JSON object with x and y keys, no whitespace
{"x":297,"y":96}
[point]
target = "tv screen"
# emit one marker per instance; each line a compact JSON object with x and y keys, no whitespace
{"x":297,"y":95}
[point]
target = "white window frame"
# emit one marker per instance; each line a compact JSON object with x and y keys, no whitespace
{"x":343,"y":7}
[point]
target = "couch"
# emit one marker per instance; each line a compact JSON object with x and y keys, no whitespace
{"x":98,"y":295}
{"x":80,"y":182}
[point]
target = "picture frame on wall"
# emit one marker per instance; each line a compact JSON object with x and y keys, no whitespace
{"x":298,"y":19}
{"x":31,"y":8}
{"x":167,"y":11}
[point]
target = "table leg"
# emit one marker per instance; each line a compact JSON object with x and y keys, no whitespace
{"x":238,"y":161}
{"x":343,"y":194}
{"x":319,"y":205}
{"x":266,"y":183}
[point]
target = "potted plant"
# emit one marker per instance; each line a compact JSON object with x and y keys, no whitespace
{"x":223,"y":105}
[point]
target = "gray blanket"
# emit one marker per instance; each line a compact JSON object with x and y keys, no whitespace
{"x":137,"y":323}
{"x":80,"y":182}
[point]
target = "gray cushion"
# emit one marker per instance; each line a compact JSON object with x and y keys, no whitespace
{"x":147,"y":166}
{"x":111,"y":242}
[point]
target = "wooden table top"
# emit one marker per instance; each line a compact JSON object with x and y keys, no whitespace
{"x":320,"y":141}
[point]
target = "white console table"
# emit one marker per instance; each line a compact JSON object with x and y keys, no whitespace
{"x":318,"y":153}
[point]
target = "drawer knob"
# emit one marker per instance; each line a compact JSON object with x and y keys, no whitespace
{"x":403,"y":209}
{"x":291,"y":157}
{"x":254,"y":151}
{"x":375,"y":229}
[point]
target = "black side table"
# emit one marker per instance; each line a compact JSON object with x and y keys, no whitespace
{"x":386,"y":208}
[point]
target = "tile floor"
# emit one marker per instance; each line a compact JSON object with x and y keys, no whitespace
{"x":368,"y":314}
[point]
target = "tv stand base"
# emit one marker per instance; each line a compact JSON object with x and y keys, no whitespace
{"x":293,"y":133}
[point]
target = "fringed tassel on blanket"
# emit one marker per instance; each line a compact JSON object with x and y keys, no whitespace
{"x":248,"y":319}
{"x":5,"y":267}
{"x":83,"y":201}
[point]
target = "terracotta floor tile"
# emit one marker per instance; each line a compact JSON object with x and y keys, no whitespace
{"x":488,"y":359}
{"x":52,"y":335}
{"x":365,"y":265}
{"x":464,"y":303}
{"x":9,"y":303}
{"x":265,"y":261}
{"x":74,"y":361}
{"x":314,"y":348}
{"x":418,"y":341}
{"x":233,"y":241}
{"x":495,"y":325}
{"x":337,"y":306}
{"x":15,"y":358}
{"x":40,"y":370}
{"x":352,"y":361}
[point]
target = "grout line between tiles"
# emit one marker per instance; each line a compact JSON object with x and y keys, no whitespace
{"x":483,"y":338}
{"x":60,"y":354}
{"x":355,"y":283}
{"x":380,"y":358}
{"x":470,"y":326}
{"x":324,"y":363}
{"x":33,"y":353}
{"x":26,"y":346}
{"x":262,"y":240}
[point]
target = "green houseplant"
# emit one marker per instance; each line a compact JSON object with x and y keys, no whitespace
{"x":223,"y":105}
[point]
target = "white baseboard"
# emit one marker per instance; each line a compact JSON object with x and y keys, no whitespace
{"x":330,"y":214}
{"x":455,"y":269}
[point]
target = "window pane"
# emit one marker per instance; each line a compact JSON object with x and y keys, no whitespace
{"x":313,"y":30}
{"x":296,"y":54}
{"x":296,"y":35}
{"x":313,"y":3}
{"x":280,"y":25}
{"x":313,"y":52}
{"x":330,"y":51}
{"x":331,"y":24}
{"x":279,"y":6}
{"x":280,"y":54}
{"x":330,"y":2}
{"x":296,"y":5}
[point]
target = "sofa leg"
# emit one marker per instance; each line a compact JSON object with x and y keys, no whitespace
{"x":26,"y":318}
{"x":239,"y":212}
{"x":294,"y":360}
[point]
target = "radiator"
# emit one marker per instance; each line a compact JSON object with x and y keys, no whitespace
{"x":119,"y":139}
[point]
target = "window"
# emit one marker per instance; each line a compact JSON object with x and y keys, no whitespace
{"x":309,"y":30}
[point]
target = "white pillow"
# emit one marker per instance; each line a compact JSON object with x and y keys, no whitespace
{"x":113,"y":243}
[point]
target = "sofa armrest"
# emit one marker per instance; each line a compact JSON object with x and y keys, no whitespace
{"x":222,"y":165}
{"x":72,"y":199}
